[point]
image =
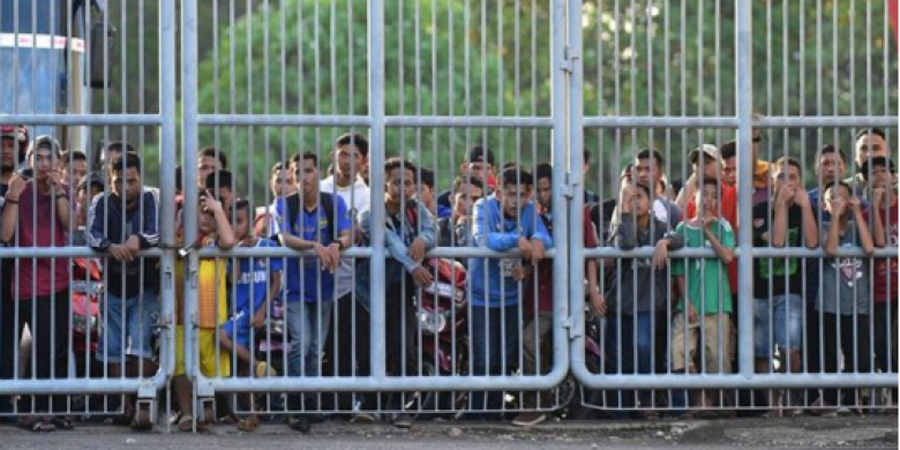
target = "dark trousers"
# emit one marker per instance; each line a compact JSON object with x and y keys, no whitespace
{"x":350,"y":338}
{"x":48,"y":320}
{"x":853,"y":344}
{"x":886,"y":340}
{"x":636,"y":336}
{"x":347,"y":345}
{"x":495,"y":346}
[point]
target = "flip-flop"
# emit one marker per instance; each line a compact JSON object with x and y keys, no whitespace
{"x":37,"y":426}
{"x":186,"y":423}
{"x":61,"y":423}
{"x":249,"y":424}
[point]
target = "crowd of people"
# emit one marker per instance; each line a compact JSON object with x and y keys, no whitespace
{"x":662,"y":314}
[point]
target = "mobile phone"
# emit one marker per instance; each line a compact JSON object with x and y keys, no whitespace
{"x":26,"y":172}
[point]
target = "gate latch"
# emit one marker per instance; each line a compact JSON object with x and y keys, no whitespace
{"x":568,"y":188}
{"x":570,"y":54}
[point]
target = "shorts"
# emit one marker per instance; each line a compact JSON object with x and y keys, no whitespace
{"x":238,"y":328}
{"x":717,"y":346}
{"x":139,"y":314}
{"x":208,"y":341}
{"x":788,"y":325}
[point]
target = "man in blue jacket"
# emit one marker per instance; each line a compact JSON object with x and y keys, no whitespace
{"x":503,"y":222}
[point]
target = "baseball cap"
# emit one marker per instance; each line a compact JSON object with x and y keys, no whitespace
{"x":709,"y":151}
{"x":46,"y":141}
{"x":878,"y":161}
{"x":15,"y":132}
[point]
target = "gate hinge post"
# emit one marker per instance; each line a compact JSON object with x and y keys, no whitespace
{"x":570,"y":54}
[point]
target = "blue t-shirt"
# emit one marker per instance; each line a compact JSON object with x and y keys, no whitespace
{"x":253,"y":279}
{"x":306,"y":279}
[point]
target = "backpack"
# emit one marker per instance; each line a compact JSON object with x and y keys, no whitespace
{"x":326,"y":201}
{"x":412,"y":217}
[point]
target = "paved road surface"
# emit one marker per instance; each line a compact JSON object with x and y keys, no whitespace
{"x":806,"y":432}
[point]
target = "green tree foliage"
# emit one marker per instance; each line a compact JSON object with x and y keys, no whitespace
{"x":492,"y":58}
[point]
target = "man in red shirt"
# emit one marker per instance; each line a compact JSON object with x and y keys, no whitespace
{"x":539,"y":328}
{"x":879,"y":174}
{"x":36,"y":214}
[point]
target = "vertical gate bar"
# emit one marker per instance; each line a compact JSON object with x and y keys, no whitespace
{"x":801,"y":42}
{"x":567,"y":110}
{"x":745,"y":175}
{"x":167,"y":159}
{"x":189,"y":147}
{"x":871,"y":261}
{"x":376,"y":158}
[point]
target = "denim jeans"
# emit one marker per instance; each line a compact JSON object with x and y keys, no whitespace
{"x":308,"y":324}
{"x":495,"y":346}
{"x":633,"y":333}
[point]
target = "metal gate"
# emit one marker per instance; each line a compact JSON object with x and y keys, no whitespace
{"x":703,"y":48}
{"x":396,"y":98}
{"x":59,"y":63}
{"x":282,"y":89}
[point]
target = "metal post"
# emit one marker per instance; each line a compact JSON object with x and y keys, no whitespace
{"x":575,"y":255}
{"x":376,"y":183}
{"x":190,"y":129}
{"x":167,"y":155}
{"x":745,"y":185}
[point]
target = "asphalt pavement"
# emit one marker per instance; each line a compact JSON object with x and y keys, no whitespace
{"x":803,"y":432}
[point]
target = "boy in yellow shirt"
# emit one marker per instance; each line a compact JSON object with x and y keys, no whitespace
{"x":213,"y":229}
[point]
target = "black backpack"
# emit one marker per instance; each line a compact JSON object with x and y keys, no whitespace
{"x":326,"y":201}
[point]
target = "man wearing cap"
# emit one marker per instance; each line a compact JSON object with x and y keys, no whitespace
{"x":479,"y":164}
{"x":36,"y":214}
{"x":879,"y":173}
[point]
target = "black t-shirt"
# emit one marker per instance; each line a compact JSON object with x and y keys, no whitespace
{"x":785,"y":274}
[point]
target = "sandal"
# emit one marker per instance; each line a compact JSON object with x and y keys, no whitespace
{"x":249,"y":424}
{"x":186,"y":423}
{"x":37,"y":426}
{"x":62,"y":423}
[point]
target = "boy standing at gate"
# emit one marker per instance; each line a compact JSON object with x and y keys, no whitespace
{"x":410,"y":233}
{"x":310,"y":220}
{"x":787,"y":220}
{"x":702,"y":324}
{"x":639,"y":295}
{"x":845,"y":300}
{"x":213,"y":230}
{"x":254,"y":292}
{"x":879,"y":173}
{"x":502,"y":222}
{"x":121,"y":223}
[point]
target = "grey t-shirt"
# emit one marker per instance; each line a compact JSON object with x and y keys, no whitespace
{"x":845,"y":281}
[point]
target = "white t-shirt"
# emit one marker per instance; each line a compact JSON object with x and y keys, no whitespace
{"x":357,"y":197}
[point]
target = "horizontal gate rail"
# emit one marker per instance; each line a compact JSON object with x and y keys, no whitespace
{"x":84,"y":119}
{"x":711,"y":122}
